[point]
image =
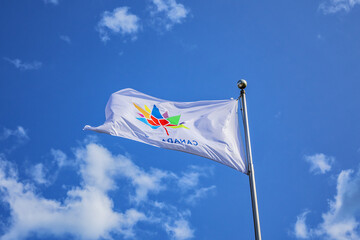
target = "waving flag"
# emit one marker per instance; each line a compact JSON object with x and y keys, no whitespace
{"x":205,"y":128}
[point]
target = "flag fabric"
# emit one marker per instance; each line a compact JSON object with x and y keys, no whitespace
{"x":205,"y":128}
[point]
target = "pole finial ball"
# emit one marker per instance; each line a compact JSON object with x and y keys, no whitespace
{"x":242,"y":84}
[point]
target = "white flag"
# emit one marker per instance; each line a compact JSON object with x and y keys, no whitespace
{"x":206,"y":128}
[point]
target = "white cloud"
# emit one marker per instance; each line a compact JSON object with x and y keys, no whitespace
{"x":320,"y":163}
{"x":46,"y":174}
{"x":189,"y":182}
{"x":100,"y":173}
{"x":341,"y":221}
{"x":65,"y":39}
{"x":24,"y":66}
{"x":129,"y":220}
{"x":200,"y":193}
{"x":334,"y":6}
{"x":172,"y":11}
{"x":180,"y":230}
{"x":119,"y":21}
{"x":190,"y":178}
{"x":19,"y":133}
{"x":301,"y":230}
{"x":14,"y":138}
{"x":87,"y":211}
{"x":55,"y":2}
{"x":38,"y":174}
{"x":60,"y":158}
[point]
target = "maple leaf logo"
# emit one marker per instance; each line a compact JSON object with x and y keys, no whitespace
{"x":155,"y":119}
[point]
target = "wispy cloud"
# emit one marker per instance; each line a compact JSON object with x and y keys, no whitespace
{"x":301,"y":231}
{"x":199,"y":194}
{"x":11,"y":139}
{"x":119,"y":21}
{"x":170,"y":12}
{"x":35,"y":65}
{"x":46,"y":173}
{"x":180,"y":230}
{"x":55,"y":2}
{"x":341,"y":221}
{"x":60,"y":158}
{"x":334,"y":6}
{"x":87,"y":211}
{"x":65,"y":38}
{"x":38,"y":174}
{"x":319,"y":163}
{"x":101,"y":172}
{"x":19,"y":133}
{"x":189,"y":180}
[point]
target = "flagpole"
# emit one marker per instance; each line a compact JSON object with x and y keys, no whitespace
{"x":242,"y":85}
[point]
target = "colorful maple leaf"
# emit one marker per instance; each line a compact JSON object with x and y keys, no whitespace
{"x":155,"y":119}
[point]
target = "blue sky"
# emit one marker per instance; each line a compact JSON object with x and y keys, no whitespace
{"x":61,"y":60}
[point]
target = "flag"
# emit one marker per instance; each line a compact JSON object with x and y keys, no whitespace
{"x":205,"y":128}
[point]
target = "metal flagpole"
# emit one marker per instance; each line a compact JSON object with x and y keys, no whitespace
{"x":242,"y":85}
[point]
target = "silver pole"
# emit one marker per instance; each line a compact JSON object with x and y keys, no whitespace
{"x":242,"y":85}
